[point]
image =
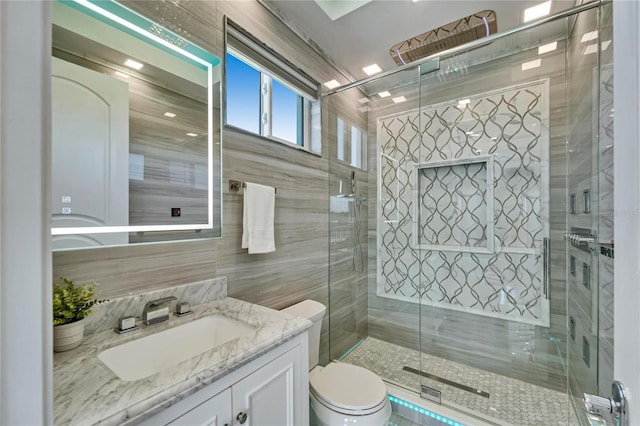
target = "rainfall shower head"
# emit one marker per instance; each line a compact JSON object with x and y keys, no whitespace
{"x":453,"y":34}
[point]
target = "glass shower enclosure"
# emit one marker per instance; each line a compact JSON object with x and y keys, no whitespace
{"x":471,"y":253}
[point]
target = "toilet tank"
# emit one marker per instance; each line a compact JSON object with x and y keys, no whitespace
{"x":313,"y":311}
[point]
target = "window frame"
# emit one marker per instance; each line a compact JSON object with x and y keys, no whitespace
{"x":303,"y":110}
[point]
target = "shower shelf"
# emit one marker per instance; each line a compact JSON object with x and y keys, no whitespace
{"x":581,"y":238}
{"x":605,"y":249}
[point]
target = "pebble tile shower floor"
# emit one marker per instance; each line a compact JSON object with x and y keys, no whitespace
{"x":511,"y":401}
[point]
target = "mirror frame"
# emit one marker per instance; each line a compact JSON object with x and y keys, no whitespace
{"x":125,"y":19}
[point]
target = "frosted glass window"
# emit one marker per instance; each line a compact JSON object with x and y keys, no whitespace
{"x":341,"y":138}
{"x":356,"y":147}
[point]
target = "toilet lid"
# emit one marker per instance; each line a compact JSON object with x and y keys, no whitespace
{"x":348,"y":387}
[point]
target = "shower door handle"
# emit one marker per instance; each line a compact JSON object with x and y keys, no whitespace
{"x":617,"y":405}
{"x":546,"y":266}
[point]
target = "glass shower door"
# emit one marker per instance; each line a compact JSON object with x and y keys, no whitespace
{"x":488,"y":191}
{"x":490,"y":229}
{"x":513,"y":188}
{"x":373,"y":320}
{"x":589,"y":245}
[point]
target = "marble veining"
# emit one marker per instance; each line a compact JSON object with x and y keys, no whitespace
{"x":106,"y":315}
{"x":87,"y":392}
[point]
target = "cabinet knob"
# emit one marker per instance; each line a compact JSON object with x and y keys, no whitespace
{"x":241,"y":417}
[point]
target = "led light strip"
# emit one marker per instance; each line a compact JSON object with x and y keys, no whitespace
{"x":424,"y":411}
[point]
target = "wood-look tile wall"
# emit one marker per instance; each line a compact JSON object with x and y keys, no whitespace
{"x":298,"y":269}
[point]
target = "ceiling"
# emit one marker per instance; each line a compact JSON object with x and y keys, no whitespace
{"x":364,"y":35}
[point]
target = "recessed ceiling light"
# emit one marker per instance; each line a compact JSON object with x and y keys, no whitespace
{"x":332,"y":84}
{"x":133,"y":64}
{"x":531,"y":64}
{"x":121,"y":74}
{"x":384,"y":94}
{"x":193,"y":135}
{"x":372,"y":69}
{"x":169,"y":114}
{"x":591,"y":35}
{"x":537,"y":11}
{"x":399,"y":99}
{"x":547,"y":48}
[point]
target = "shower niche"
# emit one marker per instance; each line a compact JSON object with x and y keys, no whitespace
{"x":455,"y":205}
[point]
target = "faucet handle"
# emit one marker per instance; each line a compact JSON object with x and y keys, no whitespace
{"x":183,"y":309}
{"x":126,"y":324}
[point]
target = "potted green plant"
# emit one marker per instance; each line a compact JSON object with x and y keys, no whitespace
{"x":71,"y":304}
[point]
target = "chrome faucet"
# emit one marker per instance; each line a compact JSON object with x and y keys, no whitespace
{"x":157,"y":310}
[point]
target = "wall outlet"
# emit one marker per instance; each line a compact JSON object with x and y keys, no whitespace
{"x":66,"y":210}
{"x":66,"y":199}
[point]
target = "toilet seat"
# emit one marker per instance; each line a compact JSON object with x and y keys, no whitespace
{"x":348,"y":389}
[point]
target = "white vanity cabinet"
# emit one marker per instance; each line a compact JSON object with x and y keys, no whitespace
{"x":271,"y":390}
{"x":215,"y":411}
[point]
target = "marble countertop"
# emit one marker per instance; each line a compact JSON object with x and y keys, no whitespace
{"x":87,"y":392}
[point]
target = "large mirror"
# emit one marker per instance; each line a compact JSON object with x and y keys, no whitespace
{"x":135,"y":130}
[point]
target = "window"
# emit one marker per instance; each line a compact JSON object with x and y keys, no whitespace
{"x":285,"y":105}
{"x":351,"y":144}
{"x":357,"y":147}
{"x":243,"y":95}
{"x":341,"y":139}
{"x":267,"y":96}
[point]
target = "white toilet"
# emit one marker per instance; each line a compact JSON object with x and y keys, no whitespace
{"x":340,"y":393}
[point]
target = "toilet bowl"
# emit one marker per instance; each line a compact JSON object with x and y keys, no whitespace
{"x":340,"y":393}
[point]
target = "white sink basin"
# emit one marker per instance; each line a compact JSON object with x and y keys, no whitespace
{"x":151,"y":354}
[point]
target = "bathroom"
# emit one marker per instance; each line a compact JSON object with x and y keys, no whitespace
{"x":301,"y":268}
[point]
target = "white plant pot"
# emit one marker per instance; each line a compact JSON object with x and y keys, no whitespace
{"x":68,"y":336}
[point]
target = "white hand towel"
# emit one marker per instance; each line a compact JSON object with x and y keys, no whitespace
{"x":257,"y":218}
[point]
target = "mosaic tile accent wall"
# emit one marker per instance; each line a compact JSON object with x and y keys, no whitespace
{"x":463,"y":206}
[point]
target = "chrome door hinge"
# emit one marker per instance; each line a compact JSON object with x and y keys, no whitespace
{"x":615,"y":407}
